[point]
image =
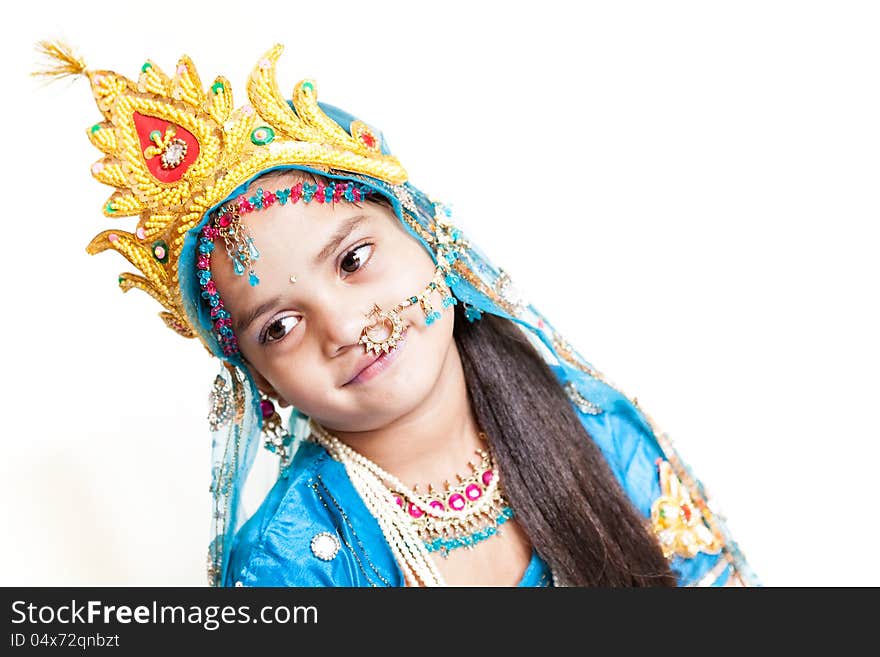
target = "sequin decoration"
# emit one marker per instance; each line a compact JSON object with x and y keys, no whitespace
{"x":583,"y":404}
{"x":505,"y":288}
{"x":325,"y":546}
{"x":262,"y":135}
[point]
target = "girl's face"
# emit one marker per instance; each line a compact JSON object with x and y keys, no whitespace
{"x":301,"y":340}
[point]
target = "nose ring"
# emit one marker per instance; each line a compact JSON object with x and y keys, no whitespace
{"x":383,"y":333}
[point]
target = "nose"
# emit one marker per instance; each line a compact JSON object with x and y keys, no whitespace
{"x":340,"y":323}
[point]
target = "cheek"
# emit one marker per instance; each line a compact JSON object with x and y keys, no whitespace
{"x":305,"y":385}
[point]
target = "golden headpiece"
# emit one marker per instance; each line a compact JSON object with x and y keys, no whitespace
{"x":174,"y":151}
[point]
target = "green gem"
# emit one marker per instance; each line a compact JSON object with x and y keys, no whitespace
{"x":146,"y":66}
{"x":262,"y":135}
{"x":308,"y":86}
{"x":160,"y":251}
{"x":109,"y":208}
{"x":95,"y":128}
{"x":413,"y":299}
{"x":662,"y":513}
{"x":121,"y":278}
{"x":217,"y":87}
{"x":155,"y":135}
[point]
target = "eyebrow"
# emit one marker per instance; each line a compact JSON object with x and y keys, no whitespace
{"x":242,"y":325}
{"x":344,"y":231}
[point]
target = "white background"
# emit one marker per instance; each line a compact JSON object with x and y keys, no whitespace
{"x":688,"y":190}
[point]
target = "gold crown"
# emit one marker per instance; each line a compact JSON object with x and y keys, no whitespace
{"x":174,"y":150}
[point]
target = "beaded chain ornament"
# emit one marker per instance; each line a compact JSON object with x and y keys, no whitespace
{"x":448,"y":249}
{"x":445,"y":522}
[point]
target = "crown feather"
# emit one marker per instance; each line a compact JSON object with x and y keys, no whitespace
{"x":220,"y":105}
{"x":176,"y":324}
{"x":103,"y":137}
{"x":122,"y":204}
{"x":153,"y":80}
{"x":264,"y":94}
{"x":135,"y":251}
{"x":186,"y":85}
{"x":128,"y":281}
{"x":305,"y":100}
{"x":109,"y":171}
{"x":62,"y":61}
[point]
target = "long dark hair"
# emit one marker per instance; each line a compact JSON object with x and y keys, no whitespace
{"x":556,"y":479}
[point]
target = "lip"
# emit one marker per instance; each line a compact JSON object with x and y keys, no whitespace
{"x":372,"y":366}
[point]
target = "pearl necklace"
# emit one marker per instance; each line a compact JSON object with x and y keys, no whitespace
{"x":408,"y":549}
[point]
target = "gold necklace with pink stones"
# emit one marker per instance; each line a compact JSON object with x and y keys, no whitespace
{"x":476,"y":501}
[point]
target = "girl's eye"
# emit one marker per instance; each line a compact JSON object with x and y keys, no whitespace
{"x":279,"y":328}
{"x":354,"y":259}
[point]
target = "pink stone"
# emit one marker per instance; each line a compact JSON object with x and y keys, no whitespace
{"x":203,"y":263}
{"x":97,"y":167}
{"x":247,"y":110}
{"x":415,"y":511}
{"x":211,"y":288}
{"x":224,"y":221}
{"x":487,"y":477}
{"x":181,"y":70}
{"x":113,"y":237}
{"x":265,"y":63}
{"x":473,"y":492}
{"x":160,"y":252}
{"x":436,"y":504}
{"x":267,"y":408}
{"x":141,"y":233}
{"x":399,"y":501}
{"x":456,"y":502}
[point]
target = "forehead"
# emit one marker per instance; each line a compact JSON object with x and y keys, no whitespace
{"x":302,"y":235}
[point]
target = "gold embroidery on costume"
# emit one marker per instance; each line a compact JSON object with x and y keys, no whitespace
{"x":677,"y":522}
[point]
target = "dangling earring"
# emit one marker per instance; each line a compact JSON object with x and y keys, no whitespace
{"x":275,"y":438}
{"x":472,"y":313}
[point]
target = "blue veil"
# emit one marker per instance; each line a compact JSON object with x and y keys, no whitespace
{"x":627,"y":436}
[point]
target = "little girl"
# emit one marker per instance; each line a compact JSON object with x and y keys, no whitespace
{"x":440,"y":431}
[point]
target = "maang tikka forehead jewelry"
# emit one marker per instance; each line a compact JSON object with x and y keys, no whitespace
{"x":449,"y":248}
